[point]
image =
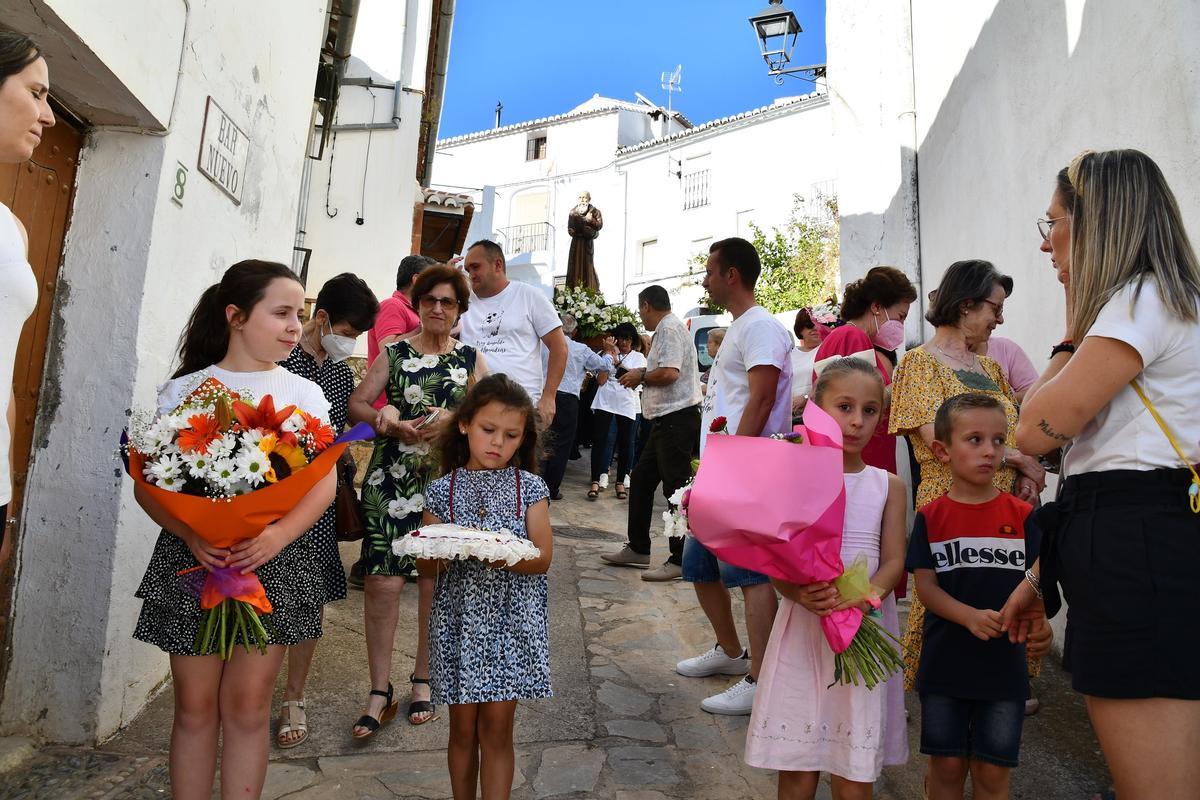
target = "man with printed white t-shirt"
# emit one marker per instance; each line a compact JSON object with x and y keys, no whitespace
{"x":751,"y":386}
{"x":509,"y":321}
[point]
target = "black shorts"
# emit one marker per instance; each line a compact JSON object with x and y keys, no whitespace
{"x":1126,"y":552}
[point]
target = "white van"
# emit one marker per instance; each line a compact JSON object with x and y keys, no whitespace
{"x":700,"y":324}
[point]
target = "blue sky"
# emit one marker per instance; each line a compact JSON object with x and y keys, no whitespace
{"x":541,"y":58}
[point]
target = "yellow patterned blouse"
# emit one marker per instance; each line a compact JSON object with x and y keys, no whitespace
{"x":919,"y":387}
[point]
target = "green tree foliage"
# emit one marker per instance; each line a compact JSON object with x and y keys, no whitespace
{"x":800,"y":260}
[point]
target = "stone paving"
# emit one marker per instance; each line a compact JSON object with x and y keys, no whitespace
{"x":623,"y":724}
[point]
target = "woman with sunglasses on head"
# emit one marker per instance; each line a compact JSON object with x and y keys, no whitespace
{"x":1122,"y":390}
{"x":425,"y":376}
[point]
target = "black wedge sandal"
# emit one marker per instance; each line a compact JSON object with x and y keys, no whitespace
{"x":387,"y":715}
{"x":420,"y":706}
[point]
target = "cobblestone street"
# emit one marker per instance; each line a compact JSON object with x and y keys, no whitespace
{"x":623,"y":724}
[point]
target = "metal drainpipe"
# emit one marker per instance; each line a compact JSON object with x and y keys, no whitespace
{"x":911,"y":102}
{"x":446,"y":9}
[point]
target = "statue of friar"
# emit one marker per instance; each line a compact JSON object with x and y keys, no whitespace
{"x":583,"y":224}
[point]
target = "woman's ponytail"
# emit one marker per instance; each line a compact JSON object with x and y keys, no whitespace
{"x":205,"y":338}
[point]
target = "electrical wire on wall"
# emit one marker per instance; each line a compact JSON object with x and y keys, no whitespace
{"x":329,"y":181}
{"x":362,"y":201}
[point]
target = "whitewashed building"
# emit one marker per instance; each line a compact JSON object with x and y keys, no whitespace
{"x":952,"y":120}
{"x":180,"y":149}
{"x":666,"y":188}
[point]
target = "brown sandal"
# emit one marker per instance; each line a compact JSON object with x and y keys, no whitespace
{"x":387,"y":715}
{"x":593,"y":492}
{"x":620,"y":490}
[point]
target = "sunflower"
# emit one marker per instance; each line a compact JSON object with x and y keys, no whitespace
{"x":285,"y":458}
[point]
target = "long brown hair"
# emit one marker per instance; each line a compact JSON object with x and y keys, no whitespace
{"x":205,"y":338}
{"x":1125,"y":228}
{"x":499,"y":388}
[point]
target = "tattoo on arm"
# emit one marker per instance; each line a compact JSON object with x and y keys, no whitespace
{"x":1045,"y":428}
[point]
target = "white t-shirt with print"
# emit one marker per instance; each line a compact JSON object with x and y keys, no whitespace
{"x":508,"y":328}
{"x":1124,"y":435}
{"x":754,"y":339}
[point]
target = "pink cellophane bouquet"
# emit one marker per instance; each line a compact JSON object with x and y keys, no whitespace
{"x":778,"y":507}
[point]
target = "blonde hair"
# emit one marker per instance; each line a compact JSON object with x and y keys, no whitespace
{"x":1126,"y":227}
{"x":716,"y":336}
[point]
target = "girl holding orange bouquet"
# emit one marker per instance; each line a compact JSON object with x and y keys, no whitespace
{"x":237,"y":333}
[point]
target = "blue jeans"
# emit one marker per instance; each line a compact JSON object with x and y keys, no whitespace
{"x":982,"y":730}
{"x":701,"y":566}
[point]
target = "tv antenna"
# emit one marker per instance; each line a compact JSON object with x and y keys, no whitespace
{"x":672,"y":83}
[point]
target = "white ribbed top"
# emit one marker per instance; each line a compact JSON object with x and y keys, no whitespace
{"x":18,"y":298}
{"x":285,"y":388}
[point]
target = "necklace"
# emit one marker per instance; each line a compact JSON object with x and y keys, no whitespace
{"x":482,"y":493}
{"x":429,"y":349}
{"x":971,"y":364}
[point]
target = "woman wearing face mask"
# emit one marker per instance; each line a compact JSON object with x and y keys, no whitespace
{"x":874,"y":308}
{"x":24,"y":112}
{"x":425,"y":376}
{"x":345,"y":308}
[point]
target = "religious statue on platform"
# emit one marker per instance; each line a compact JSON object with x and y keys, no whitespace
{"x":583,"y":224}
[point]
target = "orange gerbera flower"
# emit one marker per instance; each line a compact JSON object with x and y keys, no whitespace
{"x":318,"y":433}
{"x":264,"y":416}
{"x":202,"y":430}
{"x":285,"y":458}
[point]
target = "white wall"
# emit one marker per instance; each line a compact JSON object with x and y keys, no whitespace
{"x":871,"y":95}
{"x":134,"y":264}
{"x":756,"y":166}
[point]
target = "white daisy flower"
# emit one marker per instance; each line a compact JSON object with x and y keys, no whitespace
{"x":166,"y":472}
{"x":413,"y":394}
{"x":458,"y":375}
{"x":197,"y":464}
{"x":252,"y":465}
{"x":252,"y":436}
{"x":240,"y":488}
{"x":223,"y":472}
{"x":223,"y":447}
{"x":375,"y":478}
{"x":429,"y":361}
{"x":411,"y":365}
{"x":397,"y":471}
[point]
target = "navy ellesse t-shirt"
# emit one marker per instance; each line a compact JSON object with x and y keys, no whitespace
{"x":979,"y":553}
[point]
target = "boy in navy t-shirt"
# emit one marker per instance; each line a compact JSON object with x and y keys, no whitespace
{"x":969,"y":549}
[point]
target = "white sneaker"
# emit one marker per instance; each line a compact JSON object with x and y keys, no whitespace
{"x":736,"y":701}
{"x":603,"y":481}
{"x":714,"y":662}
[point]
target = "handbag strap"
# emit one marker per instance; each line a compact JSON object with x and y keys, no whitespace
{"x":1194,"y":489}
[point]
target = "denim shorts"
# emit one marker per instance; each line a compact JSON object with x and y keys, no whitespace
{"x":701,"y":566}
{"x":983,"y":730}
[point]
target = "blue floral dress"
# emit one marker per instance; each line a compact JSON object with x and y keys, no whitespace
{"x":393,"y":493}
{"x":489,"y":629}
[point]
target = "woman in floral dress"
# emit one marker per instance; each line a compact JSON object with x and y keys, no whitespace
{"x":421,"y":374}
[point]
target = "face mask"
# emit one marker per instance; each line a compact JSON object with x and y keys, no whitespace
{"x":889,"y":335}
{"x":337,"y":347}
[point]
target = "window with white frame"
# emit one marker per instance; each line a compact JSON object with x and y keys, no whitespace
{"x":646,"y":263}
{"x":535,"y":147}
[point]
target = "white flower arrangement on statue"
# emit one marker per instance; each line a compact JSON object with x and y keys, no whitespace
{"x":594,"y":317}
{"x":455,"y":542}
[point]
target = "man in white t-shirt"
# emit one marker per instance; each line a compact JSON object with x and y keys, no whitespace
{"x":509,"y":321}
{"x":750,"y":384}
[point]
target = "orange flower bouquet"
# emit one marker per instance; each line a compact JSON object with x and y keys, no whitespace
{"x":227,"y":468}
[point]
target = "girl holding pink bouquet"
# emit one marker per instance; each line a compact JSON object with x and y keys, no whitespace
{"x":489,"y":628}
{"x":238,"y":331}
{"x":801,"y":725}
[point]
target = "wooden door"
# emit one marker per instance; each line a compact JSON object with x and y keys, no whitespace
{"x":39,"y":192}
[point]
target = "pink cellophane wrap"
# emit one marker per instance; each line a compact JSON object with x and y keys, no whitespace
{"x":778,"y":508}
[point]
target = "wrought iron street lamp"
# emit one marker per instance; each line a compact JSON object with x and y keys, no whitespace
{"x":777,"y":29}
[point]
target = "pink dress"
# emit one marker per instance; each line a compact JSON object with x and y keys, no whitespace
{"x":798,"y":724}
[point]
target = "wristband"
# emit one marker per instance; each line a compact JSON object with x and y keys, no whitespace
{"x":1062,"y":347}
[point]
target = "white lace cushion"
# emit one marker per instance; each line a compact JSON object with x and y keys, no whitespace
{"x":448,"y":541}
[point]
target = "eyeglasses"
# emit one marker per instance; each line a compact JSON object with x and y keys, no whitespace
{"x":997,"y":307}
{"x":447,"y":303}
{"x":1044,"y":226}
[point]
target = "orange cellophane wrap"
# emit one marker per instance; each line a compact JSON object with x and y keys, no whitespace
{"x":223,"y":523}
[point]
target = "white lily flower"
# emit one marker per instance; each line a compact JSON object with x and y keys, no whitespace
{"x":458,"y":375}
{"x":398,"y":509}
{"x":411,"y":365}
{"x":375,"y":478}
{"x":397,"y":471}
{"x":430,"y":361}
{"x":413,"y":394}
{"x":416,"y":503}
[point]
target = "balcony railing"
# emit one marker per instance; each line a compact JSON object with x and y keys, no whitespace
{"x":527,"y":238}
{"x":695,"y":189}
